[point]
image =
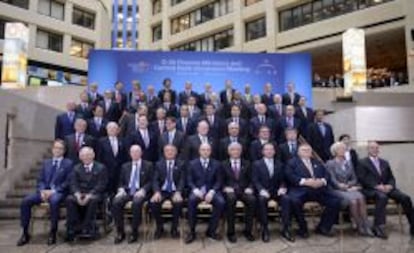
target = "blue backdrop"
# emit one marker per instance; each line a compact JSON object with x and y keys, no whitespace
{"x":151,"y":67}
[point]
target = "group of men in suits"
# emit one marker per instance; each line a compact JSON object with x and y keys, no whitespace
{"x":216,"y":155}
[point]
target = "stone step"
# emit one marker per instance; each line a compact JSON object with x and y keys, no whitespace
{"x":19,"y":193}
{"x":26,"y":184}
{"x":9,"y":213}
{"x":10,"y":202}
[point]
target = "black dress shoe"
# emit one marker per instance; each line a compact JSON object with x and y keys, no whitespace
{"x":249,"y":237}
{"x":175,"y":234}
{"x":70,"y":237}
{"x":287,"y":235}
{"x":304,"y":234}
{"x":213,"y":236}
{"x":324,"y":232}
{"x":24,"y":239}
{"x":158,"y":233}
{"x":120,"y":237}
{"x":133,"y":237}
{"x":51,"y":239}
{"x":190,"y":238}
{"x":379,"y":232}
{"x":265,"y":236}
{"x":232,"y":238}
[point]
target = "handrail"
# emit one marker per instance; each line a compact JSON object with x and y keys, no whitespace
{"x":314,"y":154}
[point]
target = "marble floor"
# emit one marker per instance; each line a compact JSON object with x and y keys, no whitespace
{"x":344,"y":242}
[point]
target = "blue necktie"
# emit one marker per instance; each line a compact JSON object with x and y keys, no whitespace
{"x":169,"y":177}
{"x":322,"y":128}
{"x":135,"y":176}
{"x":53,"y":175}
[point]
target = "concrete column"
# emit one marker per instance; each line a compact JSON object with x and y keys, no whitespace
{"x":272,"y":24}
{"x":238,"y":25}
{"x":166,"y":25}
{"x":409,"y":40}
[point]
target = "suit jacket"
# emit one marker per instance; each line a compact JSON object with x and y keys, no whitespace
{"x":369,"y":177}
{"x":154,"y":126}
{"x":243,"y":181}
{"x":84,"y":113}
{"x":71,"y":150}
{"x":182,"y":97}
{"x":128,"y":125}
{"x":189,"y":128}
{"x":267,"y":99}
{"x":255,"y":125}
{"x":223,"y":96}
{"x":145,"y":176}
{"x":94,"y":101}
{"x":149,"y":153}
{"x":282,"y":125}
{"x":341,"y":175}
{"x":284,"y":152}
{"x":309,"y":118}
{"x":274,"y":113}
{"x":287,"y":100}
{"x":196,"y":114}
{"x":255,"y":151}
{"x":179,"y":142}
{"x":160,"y":175}
{"x":243,"y":126}
{"x":173,"y":95}
{"x":113,"y":113}
{"x":194,"y":142}
{"x":124,"y":100}
{"x":64,"y":126}
{"x":106,"y":156}
{"x":211,"y":178}
{"x":93,"y":182}
{"x":152,"y":103}
{"x":217,"y":129}
{"x":58,"y":180}
{"x":296,"y":170}
{"x":354,"y":158}
{"x":225,"y":142}
{"x":93,"y":130}
{"x":321,"y":144}
{"x":244,"y":109}
{"x":262,"y":180}
{"x":171,"y":111}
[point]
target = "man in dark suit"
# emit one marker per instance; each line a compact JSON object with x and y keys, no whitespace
{"x":320,"y":136}
{"x":120,"y":96}
{"x":277,"y":110}
{"x":65,"y":121}
{"x":260,"y":120}
{"x":158,"y":125}
{"x":146,"y":139}
{"x":308,"y":181}
{"x":168,"y":184}
{"x":194,"y":111}
{"x":236,"y":117}
{"x":111,"y":153}
{"x":170,"y":108}
{"x":269,"y":182}
{"x":378,"y":182}
{"x":205,"y":179}
{"x":267,"y":96}
{"x":87,"y":187}
{"x":205,"y":97}
{"x":153,"y":102}
{"x":167,"y":84}
{"x":226,"y":95}
{"x":174,"y":137}
{"x":52,"y":188}
{"x":97,"y":124}
{"x":234,"y":136}
{"x":84,"y":109}
{"x":289,"y":149}
{"x":129,"y":123}
{"x":304,"y":113}
{"x":194,"y":141}
{"x":111,"y":107}
{"x":187,"y":93}
{"x":237,"y":186}
{"x":74,"y":142}
{"x":256,"y":146}
{"x":216,"y":123}
{"x":135,"y":185}
{"x":287,"y":121}
{"x":93,"y":94}
{"x":184,"y":122}
{"x":291,"y":97}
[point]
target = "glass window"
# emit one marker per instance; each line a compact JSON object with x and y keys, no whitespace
{"x":307,"y":13}
{"x":296,"y":16}
{"x":317,"y":10}
{"x":285,"y":20}
{"x":207,"y":12}
{"x":327,"y":9}
{"x":174,"y":2}
{"x":19,"y":3}
{"x":213,"y":42}
{"x":157,"y":32}
{"x":51,"y":8}
{"x":49,"y":41}
{"x":156,"y":6}
{"x":80,"y":48}
{"x":256,"y":29}
{"x":83,"y":18}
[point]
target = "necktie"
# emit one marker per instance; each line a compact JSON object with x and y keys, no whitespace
{"x":52,"y":178}
{"x":184,"y":123}
{"x":98,"y":124}
{"x":78,"y":141}
{"x":87,"y":168}
{"x":236,"y":169}
{"x":169,"y":177}
{"x":290,"y":122}
{"x":205,"y":164}
{"x":292,"y":148}
{"x":270,"y":168}
{"x":70,"y":116}
{"x":135,"y":180}
{"x":145,"y":137}
{"x":170,"y":137}
{"x":378,"y":166}
{"x":114,"y":145}
{"x":322,"y":129}
{"x":278,"y":109}
{"x":236,"y":120}
{"x":308,"y":165}
{"x":305,"y":113}
{"x":161,"y":126}
{"x":261,"y":119}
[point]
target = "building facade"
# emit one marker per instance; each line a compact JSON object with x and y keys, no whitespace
{"x":125,"y":24}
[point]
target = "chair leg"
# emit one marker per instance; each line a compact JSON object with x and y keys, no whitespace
{"x":399,"y":210}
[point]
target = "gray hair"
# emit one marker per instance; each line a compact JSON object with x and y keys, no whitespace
{"x":334,"y":148}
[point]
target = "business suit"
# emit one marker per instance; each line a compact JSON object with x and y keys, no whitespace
{"x":193,"y":144}
{"x":113,"y":111}
{"x":320,"y":143}
{"x":95,"y":129}
{"x":112,"y":161}
{"x":267,"y":99}
{"x":72,"y":147}
{"x":244,"y":109}
{"x":195,"y":113}
{"x":94,"y":98}
{"x":224,"y":98}
{"x":226,"y":141}
{"x":186,"y":127}
{"x":305,"y":119}
{"x":238,"y":177}
{"x":51,"y":177}
{"x":150,"y":152}
{"x":184,"y":95}
{"x":179,"y":141}
{"x":263,"y":180}
{"x":216,"y":128}
{"x":369,"y":177}
{"x":255,"y":152}
{"x":243,"y":126}
{"x":84,"y":111}
{"x":145,"y":182}
{"x":160,"y":182}
{"x":153,"y":102}
{"x":171,"y":110}
{"x":129,"y":124}
{"x":283,"y":124}
{"x":287,"y":100}
{"x":173,"y":94}
{"x":295,"y":172}
{"x":157,"y":127}
{"x":124,"y":99}
{"x":92,"y":182}
{"x":255,"y":125}
{"x":205,"y":179}
{"x":64,"y":125}
{"x":276,"y":111}
{"x":287,"y":151}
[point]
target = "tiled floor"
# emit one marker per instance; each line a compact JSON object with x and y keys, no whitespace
{"x":346,"y":242}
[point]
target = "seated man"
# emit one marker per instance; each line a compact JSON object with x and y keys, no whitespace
{"x":168,"y":184}
{"x":134,"y":185}
{"x":52,"y":188}
{"x":87,"y":186}
{"x":378,"y":182}
{"x":238,"y":186}
{"x":269,"y":182}
{"x":308,"y":180}
{"x":205,"y":181}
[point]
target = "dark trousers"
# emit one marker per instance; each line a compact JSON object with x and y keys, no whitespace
{"x":284,"y":202}
{"x":218,"y":208}
{"x":34,"y":199}
{"x":118,"y":205}
{"x":325,"y":198}
{"x":176,"y":210}
{"x":381,"y":200}
{"x":249,"y":202}
{"x":74,"y":210}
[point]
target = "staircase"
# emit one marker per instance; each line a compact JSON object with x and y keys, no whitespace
{"x":10,"y":206}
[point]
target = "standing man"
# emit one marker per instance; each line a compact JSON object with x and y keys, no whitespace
{"x":291,"y":97}
{"x":320,"y":136}
{"x":97,"y":124}
{"x":174,"y":137}
{"x":52,"y":188}
{"x":65,"y":121}
{"x":146,"y":139}
{"x":74,"y":142}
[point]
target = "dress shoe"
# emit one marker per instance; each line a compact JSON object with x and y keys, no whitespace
{"x":51,"y":239}
{"x":379,"y":232}
{"x":190,"y":238}
{"x":232,"y":238}
{"x":133,"y":237}
{"x":249,"y":237}
{"x":120,"y":237}
{"x":158,"y":233}
{"x":70,"y":237}
{"x":324,"y":232}
{"x":265,"y":236}
{"x":24,"y":239}
{"x":304,"y":234}
{"x":213,"y":236}
{"x":175,"y":234}
{"x":288,"y":235}
{"x":365,"y":231}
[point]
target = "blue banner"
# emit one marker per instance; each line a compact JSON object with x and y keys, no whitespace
{"x":152,"y":67}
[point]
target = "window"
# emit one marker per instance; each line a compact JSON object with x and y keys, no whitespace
{"x":83,"y":18}
{"x":156,"y":6}
{"x":80,"y":48}
{"x":256,"y":29}
{"x":174,"y":2}
{"x":157,"y":32}
{"x":213,"y":42}
{"x":2,"y":28}
{"x":250,"y":2}
{"x":52,"y":9}
{"x":19,"y":3}
{"x":49,"y":41}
